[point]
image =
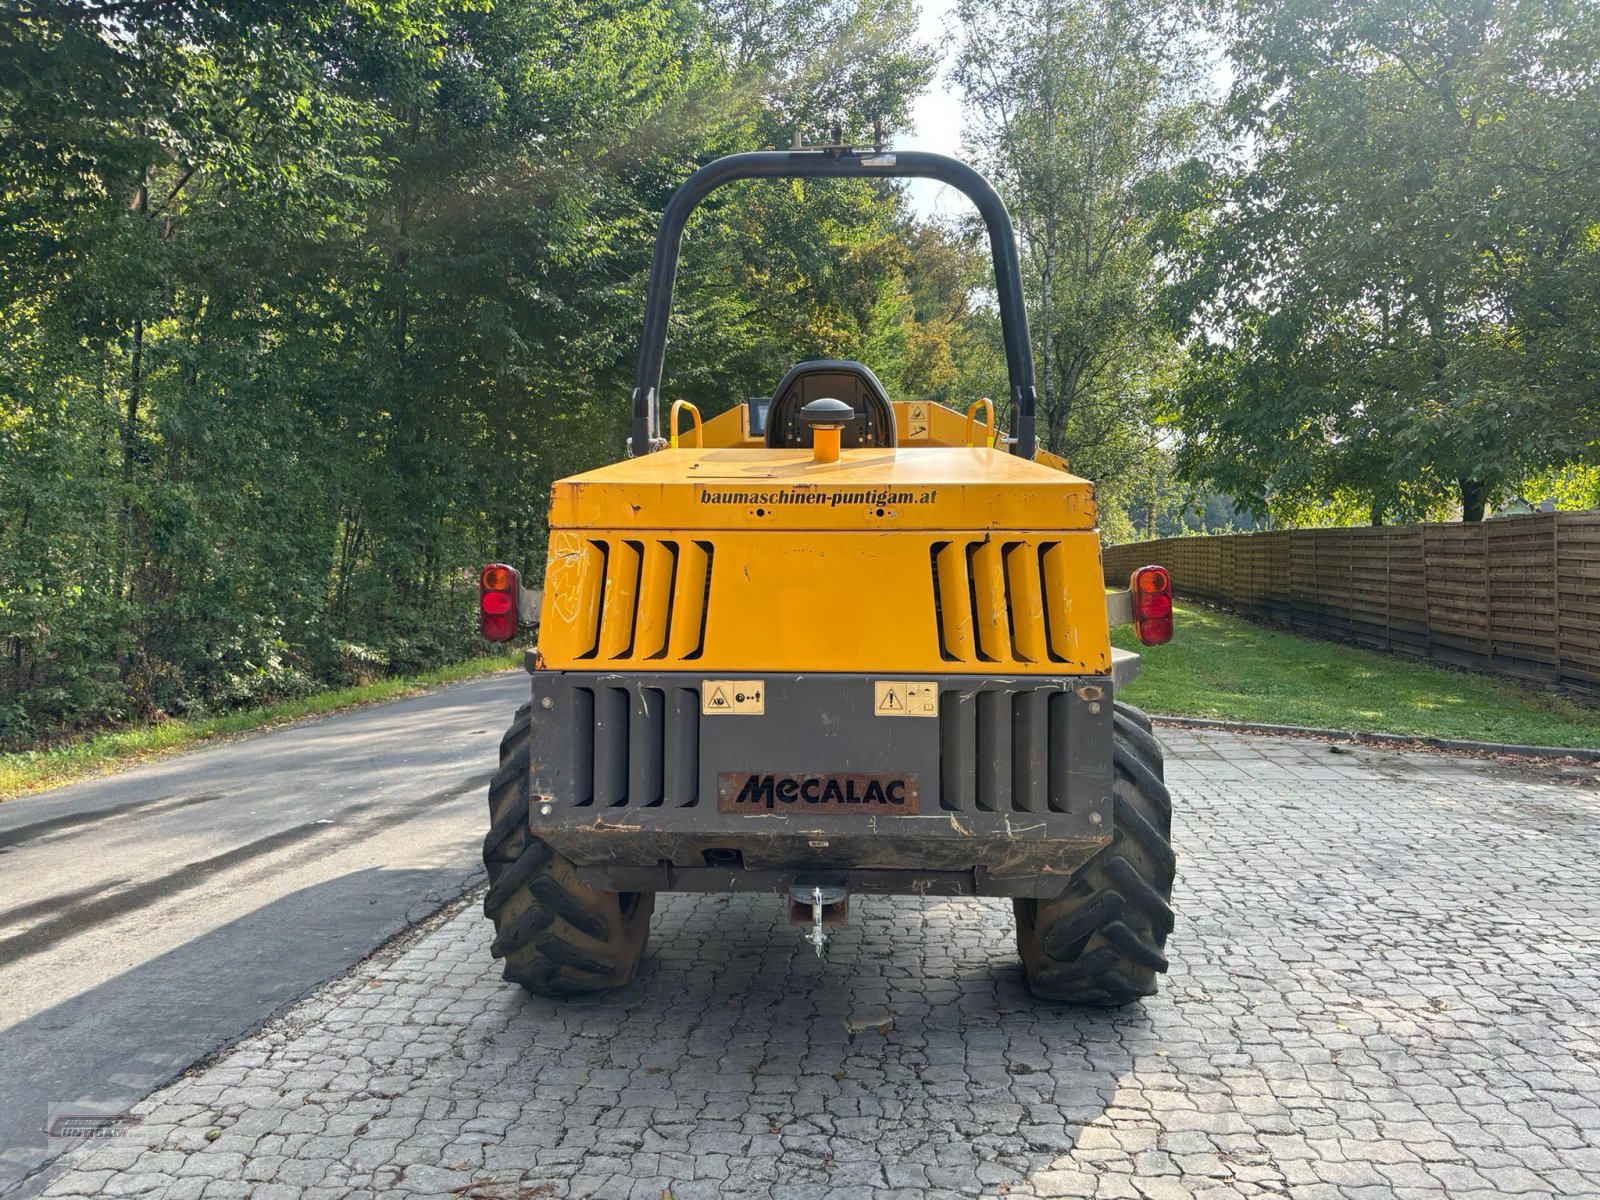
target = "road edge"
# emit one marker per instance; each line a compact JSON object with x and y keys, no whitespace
{"x":137,"y":758}
{"x":1397,"y":740}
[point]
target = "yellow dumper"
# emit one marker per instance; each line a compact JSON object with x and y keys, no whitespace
{"x":829,"y":642}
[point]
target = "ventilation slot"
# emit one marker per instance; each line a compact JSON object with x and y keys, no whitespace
{"x":987,"y":592}
{"x":1000,"y":602}
{"x":682,"y":742}
{"x":1030,"y":744}
{"x":1025,"y":602}
{"x":635,"y":747}
{"x":593,"y":599}
{"x":691,"y":599}
{"x":658,"y":575}
{"x":581,"y":752}
{"x":647,"y":728}
{"x":611,"y":711}
{"x":952,"y":601}
{"x":1060,"y":705}
{"x":957,"y":750}
{"x":652,"y":600}
{"x":1059,"y":641}
{"x":1002,"y":750}
{"x":994,"y":751}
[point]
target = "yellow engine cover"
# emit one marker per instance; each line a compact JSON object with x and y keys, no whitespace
{"x":943,"y":560}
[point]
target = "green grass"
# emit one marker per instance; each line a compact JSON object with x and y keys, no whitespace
{"x":1219,"y":665}
{"x":35,"y":770}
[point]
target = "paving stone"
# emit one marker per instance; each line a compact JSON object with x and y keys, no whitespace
{"x":1350,"y":1014}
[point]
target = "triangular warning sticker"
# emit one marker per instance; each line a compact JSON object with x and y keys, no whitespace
{"x":718,"y":700}
{"x":904,"y":698}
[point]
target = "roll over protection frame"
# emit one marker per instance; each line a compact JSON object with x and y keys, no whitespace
{"x":833,"y":162}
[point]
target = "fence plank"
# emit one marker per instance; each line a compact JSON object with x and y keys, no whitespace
{"x":1518,"y":596}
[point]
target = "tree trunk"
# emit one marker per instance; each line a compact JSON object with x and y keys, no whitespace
{"x":130,"y":415}
{"x":132,"y":560}
{"x":1474,"y":499}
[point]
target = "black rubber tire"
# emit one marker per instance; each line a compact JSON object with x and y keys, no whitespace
{"x":1103,"y":940}
{"x":557,"y":935}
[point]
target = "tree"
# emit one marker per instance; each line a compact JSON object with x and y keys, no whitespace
{"x":779,"y":271}
{"x":304,"y":304}
{"x":1079,"y":109}
{"x":813,"y":64}
{"x":1391,"y":287}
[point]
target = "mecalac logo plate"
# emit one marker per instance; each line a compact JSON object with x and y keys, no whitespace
{"x":762,"y":792}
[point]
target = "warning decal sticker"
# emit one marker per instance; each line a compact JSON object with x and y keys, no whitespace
{"x":916,"y":422}
{"x":905,"y":698}
{"x":733,"y":697}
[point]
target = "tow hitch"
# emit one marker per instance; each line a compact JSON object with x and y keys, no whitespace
{"x":818,"y":906}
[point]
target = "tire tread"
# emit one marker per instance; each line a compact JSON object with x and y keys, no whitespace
{"x":1103,"y":941}
{"x":556,"y":935}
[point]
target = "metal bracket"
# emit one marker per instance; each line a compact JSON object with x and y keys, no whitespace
{"x":528,"y":603}
{"x":1119,"y":608}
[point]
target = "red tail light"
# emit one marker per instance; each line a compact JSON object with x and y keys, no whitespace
{"x":1152,"y":605}
{"x":497,"y":602}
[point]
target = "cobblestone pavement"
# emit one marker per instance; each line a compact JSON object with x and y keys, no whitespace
{"x":1386,"y":983}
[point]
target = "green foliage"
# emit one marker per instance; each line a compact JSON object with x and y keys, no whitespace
{"x":1392,"y":287}
{"x":1571,"y":486}
{"x":1156,"y":503}
{"x":1080,"y":110}
{"x":304,"y":304}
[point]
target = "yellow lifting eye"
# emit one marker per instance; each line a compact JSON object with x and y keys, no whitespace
{"x":988,"y":408}
{"x":677,"y":407}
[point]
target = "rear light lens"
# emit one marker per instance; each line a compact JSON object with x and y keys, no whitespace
{"x":1152,"y":605}
{"x":497,"y":602}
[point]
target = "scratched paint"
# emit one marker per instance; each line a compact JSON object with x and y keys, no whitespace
{"x":567,"y":575}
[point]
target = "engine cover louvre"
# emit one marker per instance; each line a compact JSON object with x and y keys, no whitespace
{"x":1011,"y":746}
{"x":1002,"y":602}
{"x":634,"y":599}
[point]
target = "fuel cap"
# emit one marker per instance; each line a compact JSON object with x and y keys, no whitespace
{"x":826,"y":413}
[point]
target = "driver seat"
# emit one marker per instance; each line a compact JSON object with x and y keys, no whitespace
{"x":836,"y":379}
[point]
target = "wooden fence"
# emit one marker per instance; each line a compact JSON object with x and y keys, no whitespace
{"x":1515,"y":595}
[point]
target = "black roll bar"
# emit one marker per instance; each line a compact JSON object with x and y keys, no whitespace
{"x":833,"y":162}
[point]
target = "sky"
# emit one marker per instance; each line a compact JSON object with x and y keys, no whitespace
{"x":936,"y":119}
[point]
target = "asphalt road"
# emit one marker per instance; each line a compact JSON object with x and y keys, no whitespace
{"x":150,"y":918}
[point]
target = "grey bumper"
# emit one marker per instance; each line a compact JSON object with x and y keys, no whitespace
{"x":655,"y":783}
